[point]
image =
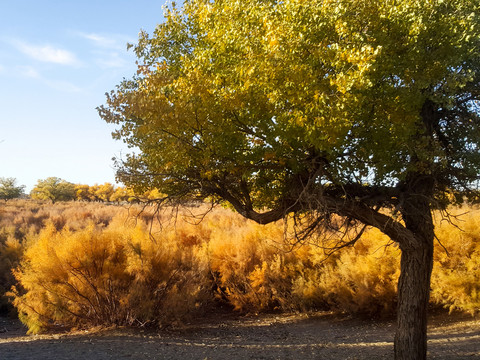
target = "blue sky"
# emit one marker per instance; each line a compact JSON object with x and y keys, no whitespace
{"x":57,"y":61}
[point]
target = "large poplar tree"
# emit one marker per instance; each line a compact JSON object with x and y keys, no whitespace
{"x":365,"y":110}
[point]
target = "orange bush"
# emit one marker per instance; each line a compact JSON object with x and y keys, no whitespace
{"x":456,"y":274}
{"x":106,"y":276}
{"x":258,"y":272}
{"x":97,"y":264}
{"x":10,"y":253}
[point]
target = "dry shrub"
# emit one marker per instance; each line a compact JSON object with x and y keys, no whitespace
{"x":456,"y":274}
{"x":363,"y":279}
{"x":112,"y":276}
{"x":22,"y":219}
{"x":108,"y":266}
{"x":29,"y":216}
{"x":257,"y":272}
{"x":10,"y":253}
{"x":240,"y":255}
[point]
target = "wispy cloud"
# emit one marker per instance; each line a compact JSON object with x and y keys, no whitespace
{"x":107,"y":41}
{"x":109,"y":50}
{"x":63,"y":86}
{"x":111,"y":60}
{"x":28,"y":72}
{"x":47,"y":53}
{"x":102,"y":41}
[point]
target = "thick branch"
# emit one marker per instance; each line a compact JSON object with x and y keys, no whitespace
{"x":369,"y":216}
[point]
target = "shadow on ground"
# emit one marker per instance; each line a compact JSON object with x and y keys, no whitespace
{"x":266,"y":337}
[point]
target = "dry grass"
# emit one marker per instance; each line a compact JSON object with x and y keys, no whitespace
{"x":87,"y":264}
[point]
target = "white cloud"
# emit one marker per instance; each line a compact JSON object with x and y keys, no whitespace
{"x":102,"y":41}
{"x":109,"y":51}
{"x":47,"y":53}
{"x":111,"y":41}
{"x":29,"y":72}
{"x":111,"y":60}
{"x":63,"y":86}
{"x":32,"y":73}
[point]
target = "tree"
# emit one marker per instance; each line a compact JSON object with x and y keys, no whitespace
{"x":123,"y":194}
{"x":104,"y":192}
{"x":82,"y":192}
{"x":54,"y":189}
{"x":365,"y":111}
{"x":9,"y":189}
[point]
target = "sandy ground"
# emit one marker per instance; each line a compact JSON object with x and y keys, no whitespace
{"x":320,"y":336}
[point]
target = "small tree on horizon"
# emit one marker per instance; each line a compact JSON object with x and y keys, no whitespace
{"x":53,"y":189}
{"x":366,"y":111}
{"x":9,"y":189}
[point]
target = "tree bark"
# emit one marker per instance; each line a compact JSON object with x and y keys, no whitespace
{"x":414,"y":282}
{"x":413,"y":296}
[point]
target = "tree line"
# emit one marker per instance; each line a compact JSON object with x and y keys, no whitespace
{"x":56,"y":189}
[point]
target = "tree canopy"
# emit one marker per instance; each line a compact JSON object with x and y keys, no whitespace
{"x":298,"y":86}
{"x":54,"y":189}
{"x":313,"y":108}
{"x":9,"y":189}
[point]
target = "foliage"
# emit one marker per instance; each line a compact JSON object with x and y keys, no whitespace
{"x":365,"y":110}
{"x":109,"y":193}
{"x":258,"y":272}
{"x":456,"y":276}
{"x":122,"y":194}
{"x":9,"y":189}
{"x":92,"y":264}
{"x":112,"y":276}
{"x":10,"y":252}
{"x":54,"y":189}
{"x":253,"y":106}
{"x":103,"y":192}
{"x":82,"y":192}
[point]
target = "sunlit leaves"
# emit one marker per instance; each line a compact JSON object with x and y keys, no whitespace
{"x":54,"y":189}
{"x":246,"y":91}
{"x":134,"y":273}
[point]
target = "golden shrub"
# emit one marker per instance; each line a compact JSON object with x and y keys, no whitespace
{"x":10,"y":252}
{"x":364,"y":277}
{"x":456,"y":274}
{"x":95,"y":264}
{"x":105,"y":276}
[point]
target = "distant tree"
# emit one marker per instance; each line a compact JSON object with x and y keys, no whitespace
{"x":9,"y":189}
{"x":104,"y":192}
{"x":82,"y":192}
{"x":366,"y":111}
{"x":92,"y":192}
{"x":154,"y":194}
{"x":54,"y":189}
{"x":120,"y":195}
{"x":124,"y":194}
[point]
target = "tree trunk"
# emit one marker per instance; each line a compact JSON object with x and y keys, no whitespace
{"x":414,"y":282}
{"x":413,"y":296}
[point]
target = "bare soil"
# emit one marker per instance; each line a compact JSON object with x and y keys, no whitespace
{"x":318,"y":336}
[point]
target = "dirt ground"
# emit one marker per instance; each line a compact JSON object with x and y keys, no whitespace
{"x":320,"y":336}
